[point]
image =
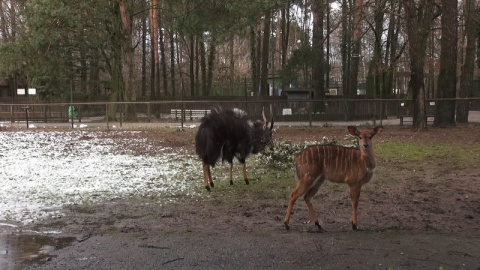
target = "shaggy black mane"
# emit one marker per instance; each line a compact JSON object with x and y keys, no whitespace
{"x":228,"y":133}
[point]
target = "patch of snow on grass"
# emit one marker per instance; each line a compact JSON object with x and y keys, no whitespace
{"x":42,"y":171}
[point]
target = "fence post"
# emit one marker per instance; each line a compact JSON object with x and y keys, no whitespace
{"x":182,"y":114}
{"x":12,"y":120}
{"x":106,"y":116}
{"x":26,"y":108}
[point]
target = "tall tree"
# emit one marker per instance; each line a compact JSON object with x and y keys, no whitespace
{"x":212,"y":48}
{"x":391,"y":46}
{"x":285,"y":32}
{"x":419,"y":19}
{"x":144,"y":51}
{"x":203,"y":65}
{"x":265,"y":53}
{"x":254,"y":59}
{"x":171,"y":38}
{"x":377,"y":61}
{"x":191,"y":64}
{"x":345,"y":50}
{"x":447,"y":79}
{"x":154,"y":63}
{"x":468,"y":66}
{"x":355,"y":62}
{"x":318,"y":80}
{"x":129,"y":75}
{"x":163,"y":61}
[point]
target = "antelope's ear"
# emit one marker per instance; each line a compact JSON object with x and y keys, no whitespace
{"x":353,"y":130}
{"x":377,"y":130}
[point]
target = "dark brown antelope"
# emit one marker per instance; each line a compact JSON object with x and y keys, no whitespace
{"x":338,"y":164}
{"x":228,"y":134}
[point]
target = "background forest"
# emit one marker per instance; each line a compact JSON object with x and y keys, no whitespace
{"x":146,"y":50}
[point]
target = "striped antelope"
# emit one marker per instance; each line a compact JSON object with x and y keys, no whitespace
{"x":338,"y":164}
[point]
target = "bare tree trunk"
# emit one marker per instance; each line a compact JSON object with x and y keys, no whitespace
{"x":258,"y":58}
{"x":3,"y":23}
{"x":13,"y":19}
{"x":356,"y":43}
{"x":211,"y":60}
{"x":129,"y":74}
{"x":468,"y":66}
{"x":264,"y":89}
{"x":447,"y":79}
{"x":83,"y":71}
{"x":327,"y":77}
{"x":253,"y":59}
{"x":198,"y":87}
{"x":285,"y":26}
{"x":154,"y":48}
{"x":345,"y":51}
{"x":318,"y":80}
{"x":203,"y":66}
{"x":231,"y":68}
{"x":180,"y":73}
{"x":192,"y":65}
{"x":163,"y":62}
{"x":419,"y":22}
{"x":144,"y":53}
{"x":390,"y":50}
{"x":379,"y":73}
{"x":277,"y":52}
{"x":171,"y":36}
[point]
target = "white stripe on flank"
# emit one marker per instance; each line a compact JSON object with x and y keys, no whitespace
{"x":350,"y":161}
{"x":306,"y":157}
{"x":315,"y":182}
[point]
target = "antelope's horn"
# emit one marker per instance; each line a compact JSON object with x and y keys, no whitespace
{"x":263,"y":114}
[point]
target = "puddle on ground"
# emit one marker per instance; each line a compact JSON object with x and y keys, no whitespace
{"x":19,"y":250}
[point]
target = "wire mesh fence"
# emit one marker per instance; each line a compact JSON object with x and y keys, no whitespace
{"x":108,"y":115}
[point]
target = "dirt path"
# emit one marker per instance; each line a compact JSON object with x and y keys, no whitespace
{"x":422,"y":218}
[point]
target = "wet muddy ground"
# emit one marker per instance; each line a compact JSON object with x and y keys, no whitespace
{"x":420,"y":210}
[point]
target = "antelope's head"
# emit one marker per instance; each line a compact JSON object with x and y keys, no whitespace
{"x":365,"y":137}
{"x":262,"y":133}
{"x":268,"y":129}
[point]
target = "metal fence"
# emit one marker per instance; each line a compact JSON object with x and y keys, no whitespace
{"x":108,"y":115}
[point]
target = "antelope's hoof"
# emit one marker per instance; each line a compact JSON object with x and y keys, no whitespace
{"x":287,"y":227}
{"x":212,"y":185}
{"x":320,"y":229}
{"x":354,"y":226}
{"x":231,"y":183}
{"x":247,"y":182}
{"x":207,"y":188}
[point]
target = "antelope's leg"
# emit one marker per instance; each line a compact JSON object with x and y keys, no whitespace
{"x":296,"y":193}
{"x":308,"y":200}
{"x":245,"y":173}
{"x":207,"y":176}
{"x":210,"y":179}
{"x":355,"y":196}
